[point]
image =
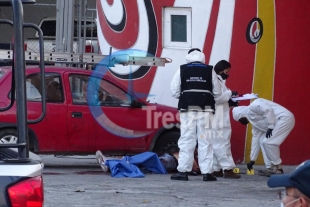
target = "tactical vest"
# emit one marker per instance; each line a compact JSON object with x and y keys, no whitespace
{"x":196,"y":87}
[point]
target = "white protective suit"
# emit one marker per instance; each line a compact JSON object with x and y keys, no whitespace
{"x":222,"y":133}
{"x":194,"y":126}
{"x":263,"y":115}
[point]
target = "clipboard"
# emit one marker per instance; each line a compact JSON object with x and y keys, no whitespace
{"x":247,"y":96}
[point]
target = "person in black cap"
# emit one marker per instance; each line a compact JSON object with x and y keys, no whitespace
{"x":195,"y":84}
{"x":223,"y":163}
{"x":297,"y":186}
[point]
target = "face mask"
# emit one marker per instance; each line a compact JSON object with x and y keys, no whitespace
{"x":243,"y":121}
{"x":282,"y":205}
{"x":224,"y":76}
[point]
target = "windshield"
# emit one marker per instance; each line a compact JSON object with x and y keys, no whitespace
{"x":2,"y":73}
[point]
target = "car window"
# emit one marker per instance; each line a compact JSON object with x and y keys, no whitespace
{"x":53,"y":87}
{"x":32,"y":92}
{"x":115,"y":94}
{"x":96,"y":91}
{"x":48,"y":28}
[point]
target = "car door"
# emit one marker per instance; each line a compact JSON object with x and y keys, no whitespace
{"x":80,"y":120}
{"x":127,"y":126}
{"x":115,"y":126}
{"x":51,"y":132}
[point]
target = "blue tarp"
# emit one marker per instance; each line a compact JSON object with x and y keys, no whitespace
{"x":129,"y":166}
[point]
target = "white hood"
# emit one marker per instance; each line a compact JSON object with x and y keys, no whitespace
{"x":239,"y":112}
{"x":195,"y":56}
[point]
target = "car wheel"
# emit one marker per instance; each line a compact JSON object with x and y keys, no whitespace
{"x":167,"y":143}
{"x":8,"y":136}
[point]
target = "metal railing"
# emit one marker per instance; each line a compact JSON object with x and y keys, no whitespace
{"x":19,"y":78}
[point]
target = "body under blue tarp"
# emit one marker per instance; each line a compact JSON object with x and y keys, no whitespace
{"x":130,"y":166}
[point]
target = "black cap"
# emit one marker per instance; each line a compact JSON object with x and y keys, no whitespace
{"x":221,"y":65}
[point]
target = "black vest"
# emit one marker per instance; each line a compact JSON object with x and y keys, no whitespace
{"x":196,"y":87}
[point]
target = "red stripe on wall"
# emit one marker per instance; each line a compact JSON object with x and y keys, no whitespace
{"x":242,"y":58}
{"x":292,"y":75}
{"x":211,"y":30}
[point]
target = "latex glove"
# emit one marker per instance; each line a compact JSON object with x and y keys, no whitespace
{"x":234,"y":93}
{"x":250,"y":165}
{"x":232,"y":103}
{"x":269,"y":133}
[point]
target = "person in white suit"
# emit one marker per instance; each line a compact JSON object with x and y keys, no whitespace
{"x":223,"y":163}
{"x":195,"y":84}
{"x":271,"y":124}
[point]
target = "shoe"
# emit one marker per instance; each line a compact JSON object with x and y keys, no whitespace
{"x":101,"y":161}
{"x":179,"y":176}
{"x":268,"y":172}
{"x":209,"y":177}
{"x":218,"y":173}
{"x":279,"y":171}
{"x":104,"y":167}
{"x":99,"y":156}
{"x":193,"y":173}
{"x":230,"y":174}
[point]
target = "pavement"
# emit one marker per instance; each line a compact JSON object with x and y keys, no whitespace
{"x":74,"y":181}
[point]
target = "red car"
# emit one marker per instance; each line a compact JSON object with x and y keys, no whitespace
{"x":87,"y":111}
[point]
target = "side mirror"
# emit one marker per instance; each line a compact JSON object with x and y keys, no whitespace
{"x":135,"y":104}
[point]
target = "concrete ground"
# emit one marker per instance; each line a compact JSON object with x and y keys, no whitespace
{"x":74,"y":181}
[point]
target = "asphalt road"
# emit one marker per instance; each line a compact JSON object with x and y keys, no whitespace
{"x":74,"y":181}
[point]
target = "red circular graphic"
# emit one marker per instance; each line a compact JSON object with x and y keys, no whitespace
{"x":127,"y":37}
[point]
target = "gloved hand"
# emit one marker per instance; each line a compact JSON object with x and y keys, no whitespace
{"x":232,"y":103}
{"x":234,"y":93}
{"x":269,"y":133}
{"x":250,"y":165}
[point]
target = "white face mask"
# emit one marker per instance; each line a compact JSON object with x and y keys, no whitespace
{"x":282,"y":205}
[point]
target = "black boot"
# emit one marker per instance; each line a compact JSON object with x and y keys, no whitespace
{"x":218,"y":173}
{"x":179,"y":176}
{"x":231,"y":174}
{"x":209,"y":177}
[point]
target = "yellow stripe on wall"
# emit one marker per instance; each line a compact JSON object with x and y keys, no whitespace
{"x":264,"y":62}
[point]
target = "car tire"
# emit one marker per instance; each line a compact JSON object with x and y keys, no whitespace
{"x":167,"y":143}
{"x":10,"y":136}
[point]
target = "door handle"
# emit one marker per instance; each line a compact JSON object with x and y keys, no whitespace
{"x":76,"y":114}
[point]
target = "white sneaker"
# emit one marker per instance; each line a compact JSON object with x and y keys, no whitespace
{"x":268,"y":172}
{"x":99,"y":156}
{"x":101,"y":159}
